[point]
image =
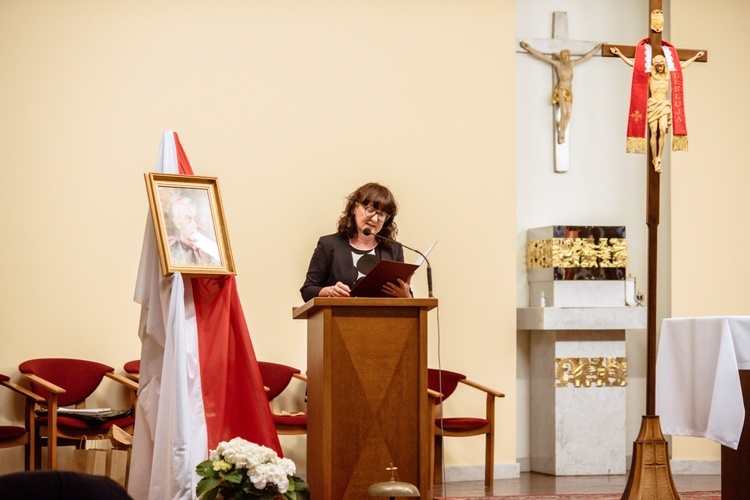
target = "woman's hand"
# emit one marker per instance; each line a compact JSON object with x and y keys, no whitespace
{"x":338,"y":290}
{"x":400,"y":290}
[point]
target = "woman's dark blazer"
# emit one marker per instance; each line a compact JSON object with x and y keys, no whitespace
{"x":331,"y":262}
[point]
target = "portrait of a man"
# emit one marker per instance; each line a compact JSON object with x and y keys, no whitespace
{"x":191,"y":235}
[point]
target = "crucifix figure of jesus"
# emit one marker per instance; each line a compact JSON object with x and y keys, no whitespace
{"x":558,"y":51}
{"x":659,"y":107}
{"x":562,"y":95}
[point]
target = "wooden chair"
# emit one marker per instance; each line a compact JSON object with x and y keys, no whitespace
{"x":276,"y":379}
{"x":133,"y":372}
{"x":63,"y":382}
{"x":13,"y":435}
{"x":444,"y":383}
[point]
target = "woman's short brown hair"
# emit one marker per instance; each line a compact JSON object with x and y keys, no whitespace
{"x":374,"y":195}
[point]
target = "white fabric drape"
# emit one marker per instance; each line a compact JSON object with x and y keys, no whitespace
{"x":698,"y":390}
{"x":170,"y":433}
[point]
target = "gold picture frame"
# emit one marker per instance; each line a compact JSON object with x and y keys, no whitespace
{"x":189,"y":224}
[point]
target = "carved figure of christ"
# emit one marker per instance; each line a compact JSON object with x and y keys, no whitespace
{"x":558,"y":52}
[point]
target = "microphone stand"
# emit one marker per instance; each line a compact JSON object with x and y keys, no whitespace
{"x":368,"y":232}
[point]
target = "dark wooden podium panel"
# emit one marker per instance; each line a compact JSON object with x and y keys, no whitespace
{"x":367,"y":394}
{"x":735,"y":464}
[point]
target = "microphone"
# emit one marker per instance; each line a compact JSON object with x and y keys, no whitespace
{"x":367,"y":232}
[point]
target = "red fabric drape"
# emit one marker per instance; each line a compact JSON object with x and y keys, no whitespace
{"x":638,"y":99}
{"x":182,"y":160}
{"x":233,"y":395}
{"x":234,"y":399}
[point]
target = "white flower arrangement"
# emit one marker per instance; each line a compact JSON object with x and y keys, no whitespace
{"x":241,"y":469}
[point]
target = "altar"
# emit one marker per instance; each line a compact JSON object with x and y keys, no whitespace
{"x":702,"y":372}
{"x":581,"y":306}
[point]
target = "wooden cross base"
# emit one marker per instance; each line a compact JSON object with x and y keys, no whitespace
{"x":650,"y":475}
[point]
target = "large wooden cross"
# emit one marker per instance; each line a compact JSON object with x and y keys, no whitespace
{"x":650,"y":474}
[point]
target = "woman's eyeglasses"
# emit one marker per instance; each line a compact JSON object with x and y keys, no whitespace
{"x":371,"y":212}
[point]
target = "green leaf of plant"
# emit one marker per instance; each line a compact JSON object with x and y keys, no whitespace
{"x":205,"y":485}
{"x":205,"y":469}
{"x":234,"y":476}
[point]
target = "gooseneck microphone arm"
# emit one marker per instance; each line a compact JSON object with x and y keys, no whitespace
{"x":368,"y":232}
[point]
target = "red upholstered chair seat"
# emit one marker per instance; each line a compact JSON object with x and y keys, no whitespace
{"x":74,"y":423}
{"x":457,"y":424}
{"x":8,"y":432}
{"x":299,"y":420}
{"x":444,"y":383}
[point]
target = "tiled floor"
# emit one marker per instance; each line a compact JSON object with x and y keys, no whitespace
{"x":532,"y":483}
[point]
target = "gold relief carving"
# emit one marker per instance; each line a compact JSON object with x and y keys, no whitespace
{"x":587,"y":372}
{"x":657,"y":21}
{"x":576,"y":252}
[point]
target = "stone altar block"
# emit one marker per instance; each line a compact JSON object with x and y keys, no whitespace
{"x":577,"y":337}
{"x":578,"y":383}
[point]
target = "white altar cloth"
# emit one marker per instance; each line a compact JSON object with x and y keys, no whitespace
{"x":698,"y":390}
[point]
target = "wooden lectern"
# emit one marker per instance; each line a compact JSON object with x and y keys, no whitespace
{"x":367,"y":394}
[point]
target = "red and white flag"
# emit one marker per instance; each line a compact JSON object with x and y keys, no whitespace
{"x":199,"y":380}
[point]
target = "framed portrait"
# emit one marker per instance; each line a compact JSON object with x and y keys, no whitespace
{"x":191,"y":232}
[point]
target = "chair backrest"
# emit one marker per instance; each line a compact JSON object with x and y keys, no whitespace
{"x":78,"y":377}
{"x":133,"y":366}
{"x":276,"y":377}
{"x":443,"y":381}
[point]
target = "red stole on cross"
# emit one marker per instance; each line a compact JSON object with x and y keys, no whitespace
{"x":636,"y":141}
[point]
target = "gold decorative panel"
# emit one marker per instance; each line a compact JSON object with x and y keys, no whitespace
{"x":587,"y":372}
{"x":576,"y":253}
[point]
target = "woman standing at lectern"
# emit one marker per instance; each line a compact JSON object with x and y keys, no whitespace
{"x":342,"y":258}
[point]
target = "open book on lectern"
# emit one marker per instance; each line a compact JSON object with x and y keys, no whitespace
{"x":371,"y":284}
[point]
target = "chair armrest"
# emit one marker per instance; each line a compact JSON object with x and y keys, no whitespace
{"x":50,"y":403}
{"x":491,"y":392}
{"x":46,"y":385}
{"x":36,"y":398}
{"x":130,"y":384}
{"x":434,"y":394}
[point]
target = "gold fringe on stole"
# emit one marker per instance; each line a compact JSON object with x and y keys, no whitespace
{"x":636,"y":145}
{"x":680,"y":143}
